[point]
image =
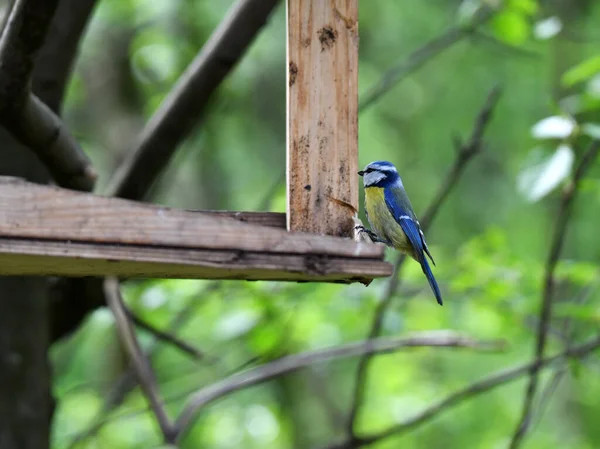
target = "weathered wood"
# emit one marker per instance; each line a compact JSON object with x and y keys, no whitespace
{"x":51,"y":231}
{"x":270,"y":219}
{"x":322,"y":135}
{"x":35,"y":257}
{"x":43,"y":212}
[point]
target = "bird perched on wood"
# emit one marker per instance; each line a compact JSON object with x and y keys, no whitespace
{"x":392,"y":218}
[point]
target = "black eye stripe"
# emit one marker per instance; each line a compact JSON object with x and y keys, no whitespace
{"x":383,"y":170}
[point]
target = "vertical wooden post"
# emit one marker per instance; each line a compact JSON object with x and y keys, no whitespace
{"x":322,"y":115}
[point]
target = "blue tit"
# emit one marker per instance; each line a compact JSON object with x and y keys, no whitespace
{"x":392,"y":218}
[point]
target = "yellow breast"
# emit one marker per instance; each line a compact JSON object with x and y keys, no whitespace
{"x":382,"y":222}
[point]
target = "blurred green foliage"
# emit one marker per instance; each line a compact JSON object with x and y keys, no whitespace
{"x":490,"y":240}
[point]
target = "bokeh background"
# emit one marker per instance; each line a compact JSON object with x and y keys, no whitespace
{"x":490,"y":239}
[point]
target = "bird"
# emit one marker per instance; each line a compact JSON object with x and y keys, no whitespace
{"x":392,"y":219}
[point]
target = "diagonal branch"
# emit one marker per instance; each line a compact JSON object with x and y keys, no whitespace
{"x":21,"y":39}
{"x":166,"y":337}
{"x":562,"y":220}
{"x":424,"y":54}
{"x":482,"y":386}
{"x":56,"y":58}
{"x":568,"y":335}
{"x":465,"y":154}
{"x":296,"y":362}
{"x":186,"y":103}
{"x":127,"y":380}
{"x":41,"y":130}
{"x":26,"y":117}
{"x":170,"y":124}
{"x":140,"y":363}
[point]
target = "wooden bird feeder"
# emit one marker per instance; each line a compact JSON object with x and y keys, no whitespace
{"x":47,"y":230}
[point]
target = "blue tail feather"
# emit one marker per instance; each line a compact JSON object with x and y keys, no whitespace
{"x":432,"y":281}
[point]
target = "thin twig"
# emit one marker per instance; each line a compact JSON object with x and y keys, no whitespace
{"x":140,"y":363}
{"x":185,"y":104}
{"x":423,"y":55}
{"x":503,"y":46}
{"x":119,"y":389}
{"x":554,"y":382}
{"x":295,"y":362}
{"x":127,"y":380}
{"x":166,"y":337}
{"x":481,"y":386}
{"x":562,"y":221}
{"x":167,"y":128}
{"x":23,"y":114}
{"x":465,"y":154}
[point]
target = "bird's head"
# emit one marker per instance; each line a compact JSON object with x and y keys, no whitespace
{"x":380,"y":174}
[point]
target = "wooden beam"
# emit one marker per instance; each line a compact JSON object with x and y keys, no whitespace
{"x":36,"y":257}
{"x":46,"y":230}
{"x":322,"y":99}
{"x":270,"y":219}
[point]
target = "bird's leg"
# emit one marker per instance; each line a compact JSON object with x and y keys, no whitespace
{"x":371,"y":234}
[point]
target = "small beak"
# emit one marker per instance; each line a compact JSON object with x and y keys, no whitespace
{"x":360,"y":173}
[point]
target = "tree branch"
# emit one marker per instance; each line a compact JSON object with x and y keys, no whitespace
{"x":185,"y":104}
{"x":166,"y":337}
{"x":170,"y":124}
{"x":25,"y":116}
{"x":56,"y":58}
{"x":21,"y":39}
{"x":140,"y":363}
{"x":295,"y":362}
{"x":424,"y":54}
{"x":127,"y":380}
{"x":568,"y":335}
{"x":482,"y":386}
{"x":563,"y":216}
{"x":465,"y":154}
{"x":37,"y":127}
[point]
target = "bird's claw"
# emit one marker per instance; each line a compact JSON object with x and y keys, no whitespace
{"x":371,"y":234}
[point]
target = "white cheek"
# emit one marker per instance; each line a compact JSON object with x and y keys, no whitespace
{"x":373,"y":178}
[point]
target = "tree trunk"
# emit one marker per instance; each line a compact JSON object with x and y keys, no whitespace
{"x":26,"y":402}
{"x":25,"y":399}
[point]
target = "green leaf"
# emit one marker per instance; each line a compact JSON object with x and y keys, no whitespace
{"x":554,"y":127}
{"x":529,"y":7}
{"x":236,"y":324}
{"x":577,"y":272}
{"x":547,"y":28}
{"x":536,"y":181}
{"x":580,"y":103}
{"x":582,"y":71}
{"x":580,"y":312}
{"x":591,"y":129}
{"x":512,"y":27}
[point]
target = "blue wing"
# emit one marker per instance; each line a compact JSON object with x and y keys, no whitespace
{"x":399,"y":206}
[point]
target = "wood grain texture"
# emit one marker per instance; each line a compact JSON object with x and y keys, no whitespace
{"x":322,"y":134}
{"x":36,"y":257}
{"x":270,"y":219}
{"x":52,"y":231}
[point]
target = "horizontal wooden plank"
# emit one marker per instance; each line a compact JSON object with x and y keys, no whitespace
{"x":46,"y":230}
{"x":44,"y":212}
{"x":40,"y":257}
{"x":270,"y":219}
